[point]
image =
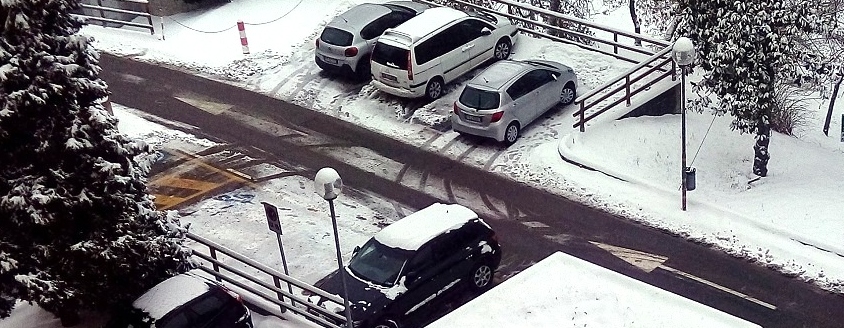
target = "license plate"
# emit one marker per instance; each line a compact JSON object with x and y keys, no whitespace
{"x":389,"y":77}
{"x":331,"y":60}
{"x":473,"y":118}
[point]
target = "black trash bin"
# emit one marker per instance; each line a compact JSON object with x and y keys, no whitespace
{"x":690,"y":178}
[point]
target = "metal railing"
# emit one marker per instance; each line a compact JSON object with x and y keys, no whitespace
{"x":269,"y":291}
{"x":603,"y":95}
{"x":119,"y":20}
{"x":523,"y":7}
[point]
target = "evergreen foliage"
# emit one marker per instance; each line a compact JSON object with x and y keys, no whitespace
{"x":78,"y":229}
{"x":743,"y":47}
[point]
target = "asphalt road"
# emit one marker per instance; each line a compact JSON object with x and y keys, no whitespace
{"x":531,"y":223}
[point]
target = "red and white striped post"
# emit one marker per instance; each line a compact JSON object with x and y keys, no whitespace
{"x":243,"y":43}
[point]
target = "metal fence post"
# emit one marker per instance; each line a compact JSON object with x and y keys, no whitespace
{"x":582,"y":119}
{"x":214,"y":265}
{"x":615,"y":43}
{"x":627,"y":86}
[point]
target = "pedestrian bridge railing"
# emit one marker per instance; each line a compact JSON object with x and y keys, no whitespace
{"x":622,"y":88}
{"x":118,"y":13}
{"x":266,"y":283}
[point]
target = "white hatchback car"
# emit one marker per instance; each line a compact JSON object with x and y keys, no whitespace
{"x":418,"y":57}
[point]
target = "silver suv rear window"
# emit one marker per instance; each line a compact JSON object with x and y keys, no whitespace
{"x":336,"y":37}
{"x":479,"y":99}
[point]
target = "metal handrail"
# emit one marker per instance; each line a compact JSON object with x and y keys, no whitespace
{"x":614,"y":43}
{"x":264,"y":268}
{"x":102,"y":19}
{"x":626,"y":73}
{"x":582,"y":22}
{"x":619,"y":100}
{"x":278,"y":277}
{"x":216,"y":273}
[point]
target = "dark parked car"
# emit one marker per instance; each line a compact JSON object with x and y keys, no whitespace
{"x":186,"y":301}
{"x":415,"y":262}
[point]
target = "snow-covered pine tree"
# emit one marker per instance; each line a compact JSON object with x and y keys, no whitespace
{"x":741,"y":47}
{"x":78,"y":229}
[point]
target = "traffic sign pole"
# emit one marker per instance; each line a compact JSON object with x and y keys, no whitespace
{"x":274,"y":225}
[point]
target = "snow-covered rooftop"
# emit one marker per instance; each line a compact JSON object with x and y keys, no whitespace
{"x":171,"y":293}
{"x":564,"y":291}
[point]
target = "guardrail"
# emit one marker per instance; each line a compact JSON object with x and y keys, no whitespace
{"x":641,"y":71}
{"x":123,"y":15}
{"x":514,"y":6}
{"x":268,"y":291}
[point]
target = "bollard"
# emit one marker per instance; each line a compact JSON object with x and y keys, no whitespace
{"x":243,"y":43}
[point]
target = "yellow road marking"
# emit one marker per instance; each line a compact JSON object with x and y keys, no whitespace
{"x":163,"y":202}
{"x":175,"y":181}
{"x":201,"y":187}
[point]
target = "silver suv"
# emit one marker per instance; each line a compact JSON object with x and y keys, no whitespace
{"x":509,"y":95}
{"x":347,"y":41}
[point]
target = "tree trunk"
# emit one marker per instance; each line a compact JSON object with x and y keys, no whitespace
{"x":763,"y":139}
{"x":831,"y":104}
{"x":637,"y":27}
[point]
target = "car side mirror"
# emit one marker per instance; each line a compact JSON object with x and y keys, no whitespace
{"x":486,"y":31}
{"x":356,"y":250}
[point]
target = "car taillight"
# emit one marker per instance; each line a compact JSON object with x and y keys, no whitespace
{"x":317,"y":43}
{"x":351,"y":51}
{"x":497,"y":116}
{"x":456,"y":110}
{"x":233,"y":294}
{"x":409,"y":67}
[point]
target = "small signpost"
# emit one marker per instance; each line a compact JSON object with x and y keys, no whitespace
{"x":275,"y":226}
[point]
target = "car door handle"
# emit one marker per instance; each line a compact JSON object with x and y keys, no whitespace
{"x":466,"y":48}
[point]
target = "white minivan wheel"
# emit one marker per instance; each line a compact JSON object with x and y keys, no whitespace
{"x":502,"y":49}
{"x":434,"y":89}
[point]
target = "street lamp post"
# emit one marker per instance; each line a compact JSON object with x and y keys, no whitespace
{"x":683,"y":53}
{"x":328,"y":185}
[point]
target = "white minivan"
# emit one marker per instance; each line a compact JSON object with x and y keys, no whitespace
{"x":418,"y":57}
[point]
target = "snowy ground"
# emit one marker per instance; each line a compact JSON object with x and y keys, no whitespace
{"x":789,"y":221}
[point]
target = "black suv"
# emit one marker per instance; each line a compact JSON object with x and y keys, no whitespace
{"x":411,"y":264}
{"x":186,"y":301}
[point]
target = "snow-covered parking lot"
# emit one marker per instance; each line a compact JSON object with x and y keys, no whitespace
{"x":788,"y":221}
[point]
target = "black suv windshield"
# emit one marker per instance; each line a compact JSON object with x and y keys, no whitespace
{"x":378,"y":263}
{"x":479,"y":99}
